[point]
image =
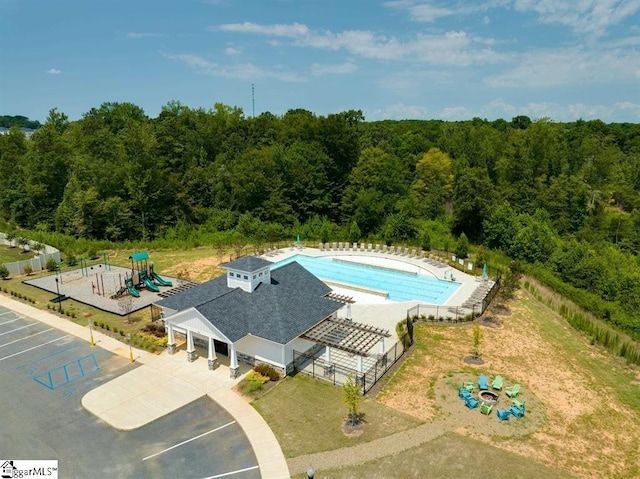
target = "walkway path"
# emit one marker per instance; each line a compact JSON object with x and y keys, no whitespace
{"x":129,"y":401}
{"x":368,"y":451}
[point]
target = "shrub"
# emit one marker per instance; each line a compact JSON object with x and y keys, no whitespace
{"x":268,"y":371}
{"x":4,"y":271}
{"x":51,"y":264}
{"x":72,"y":260}
{"x":28,"y":269}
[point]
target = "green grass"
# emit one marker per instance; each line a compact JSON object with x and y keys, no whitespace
{"x":83,"y":312}
{"x":449,"y":456}
{"x":10,"y":255}
{"x":306,"y":415}
{"x":604,"y":368}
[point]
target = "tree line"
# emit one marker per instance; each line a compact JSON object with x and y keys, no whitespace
{"x":562,"y":197}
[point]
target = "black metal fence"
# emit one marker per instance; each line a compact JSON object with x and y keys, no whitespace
{"x":315,"y":365}
{"x":453,"y":314}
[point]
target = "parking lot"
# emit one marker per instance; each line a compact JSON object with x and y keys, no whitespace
{"x":44,"y":373}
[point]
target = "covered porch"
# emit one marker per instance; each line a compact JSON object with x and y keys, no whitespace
{"x":201,"y":339}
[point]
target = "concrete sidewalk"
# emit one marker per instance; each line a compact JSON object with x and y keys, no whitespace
{"x":162,"y":384}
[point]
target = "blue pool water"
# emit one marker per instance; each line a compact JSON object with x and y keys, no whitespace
{"x":400,"y":285}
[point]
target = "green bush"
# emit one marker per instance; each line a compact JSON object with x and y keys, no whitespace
{"x":27,"y":270}
{"x":51,"y":264}
{"x":267,"y":371}
{"x":4,"y":272}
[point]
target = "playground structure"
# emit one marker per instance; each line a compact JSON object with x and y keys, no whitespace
{"x":142,"y":276}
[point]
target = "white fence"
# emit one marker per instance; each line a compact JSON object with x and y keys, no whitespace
{"x":37,"y":263}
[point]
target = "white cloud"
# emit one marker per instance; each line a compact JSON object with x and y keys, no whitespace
{"x":333,"y":69}
{"x":138,"y":35}
{"x":421,"y":12}
{"x":278,"y":30}
{"x":590,"y":17}
{"x":450,"y":48}
{"x":455,"y":113}
{"x":240,"y":71}
{"x":486,"y":20}
{"x":53,"y":71}
{"x":545,"y":68}
{"x":398,"y":111}
{"x":429,"y":12}
{"x":232,"y":51}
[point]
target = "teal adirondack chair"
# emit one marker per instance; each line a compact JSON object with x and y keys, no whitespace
{"x":468,"y":385}
{"x":513,"y":391}
{"x":486,"y":408}
{"x":497,"y":383}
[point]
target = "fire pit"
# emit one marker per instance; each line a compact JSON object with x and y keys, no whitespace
{"x":488,"y":397}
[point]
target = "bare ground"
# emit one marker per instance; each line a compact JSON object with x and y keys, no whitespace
{"x":573,"y":422}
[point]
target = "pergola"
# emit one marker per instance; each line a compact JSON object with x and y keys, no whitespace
{"x":346,"y":335}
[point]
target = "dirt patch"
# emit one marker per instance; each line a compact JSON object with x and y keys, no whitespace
{"x":562,"y":414}
{"x":198,"y":270}
{"x":352,"y":431}
{"x":474,"y":360}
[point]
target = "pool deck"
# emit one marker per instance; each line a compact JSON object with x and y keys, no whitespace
{"x":374,"y":309}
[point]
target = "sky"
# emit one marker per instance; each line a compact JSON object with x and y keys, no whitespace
{"x":394,"y":59}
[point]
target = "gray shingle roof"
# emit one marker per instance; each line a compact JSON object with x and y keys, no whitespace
{"x":280,"y":311}
{"x":248,"y":264}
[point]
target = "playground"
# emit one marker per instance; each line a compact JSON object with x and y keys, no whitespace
{"x":111,"y":288}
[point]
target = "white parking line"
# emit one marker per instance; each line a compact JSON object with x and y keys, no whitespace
{"x":10,"y":321}
{"x":233,"y":472}
{"x":188,"y":440}
{"x":26,"y":337}
{"x":35,"y":347}
{"x":17,"y":329}
{"x":7,"y":312}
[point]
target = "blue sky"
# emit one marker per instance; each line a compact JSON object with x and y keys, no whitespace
{"x":395,"y":59}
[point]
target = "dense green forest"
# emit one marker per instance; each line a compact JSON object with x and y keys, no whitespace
{"x":563,"y":198}
{"x":7,"y":121}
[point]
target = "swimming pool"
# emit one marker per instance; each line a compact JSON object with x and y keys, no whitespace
{"x":400,"y":285}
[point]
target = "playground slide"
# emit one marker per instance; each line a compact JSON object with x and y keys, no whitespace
{"x":149,"y":284}
{"x":133,"y":292}
{"x":160,"y":281}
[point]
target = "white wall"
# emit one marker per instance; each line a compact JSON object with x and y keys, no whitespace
{"x":300,"y":345}
{"x":261,"y":349}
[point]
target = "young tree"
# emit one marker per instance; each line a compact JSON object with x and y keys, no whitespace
{"x":425,"y":240}
{"x":352,"y":398}
{"x":477,"y":340}
{"x":354,"y":232}
{"x":27,"y":270}
{"x":462,"y":246}
{"x":4,"y":271}
{"x":22,"y":242}
{"x":125,"y":305}
{"x":510,"y":282}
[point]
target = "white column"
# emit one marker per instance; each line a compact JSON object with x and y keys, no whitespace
{"x":381,"y":343}
{"x":191,"y":351}
{"x":233,"y":361}
{"x":348,"y":310}
{"x":327,"y":354}
{"x":171,"y":340}
{"x":359,"y":364}
{"x":212,"y":360}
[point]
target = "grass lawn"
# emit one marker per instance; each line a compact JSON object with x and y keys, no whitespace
{"x":448,"y":456}
{"x":306,"y":415}
{"x":583,"y":420}
{"x":10,"y":255}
